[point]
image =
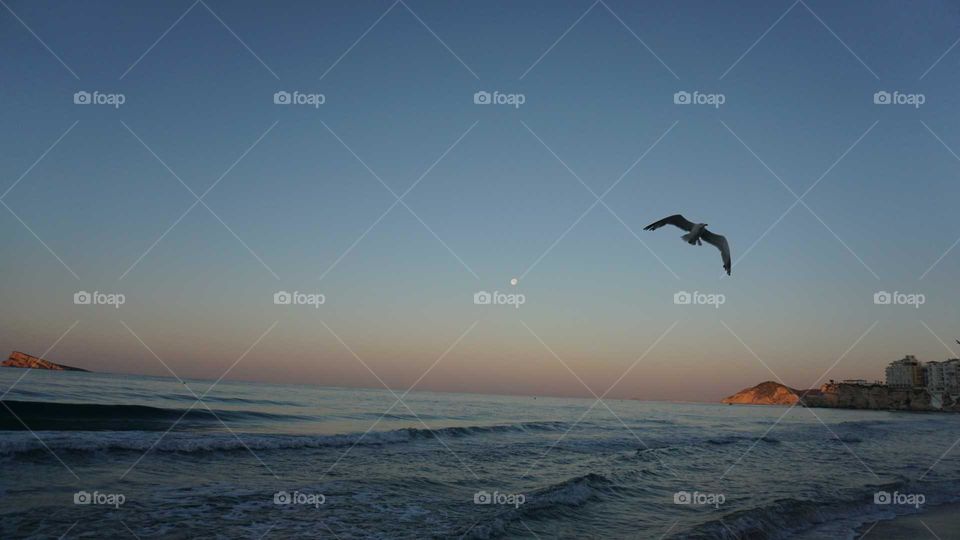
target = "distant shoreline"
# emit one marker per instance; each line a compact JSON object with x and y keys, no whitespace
{"x":855,"y":396}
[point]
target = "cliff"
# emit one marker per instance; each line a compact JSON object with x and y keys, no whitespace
{"x":767,"y":393}
{"x":21,"y":360}
{"x":882,"y":397}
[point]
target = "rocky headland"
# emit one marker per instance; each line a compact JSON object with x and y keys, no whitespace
{"x":836,"y":395}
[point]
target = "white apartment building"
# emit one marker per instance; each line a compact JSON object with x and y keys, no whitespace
{"x":905,"y":373}
{"x":942,"y":376}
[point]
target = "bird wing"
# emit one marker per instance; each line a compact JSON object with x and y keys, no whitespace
{"x":676,"y":220}
{"x":720,"y":243}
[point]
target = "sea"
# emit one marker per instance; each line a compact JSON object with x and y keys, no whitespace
{"x":88,"y":455}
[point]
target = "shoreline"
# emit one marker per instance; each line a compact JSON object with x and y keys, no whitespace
{"x":941,"y":521}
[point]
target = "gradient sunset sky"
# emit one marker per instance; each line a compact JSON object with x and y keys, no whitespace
{"x":499,"y":194}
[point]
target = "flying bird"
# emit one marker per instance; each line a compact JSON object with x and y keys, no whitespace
{"x":695,"y":233}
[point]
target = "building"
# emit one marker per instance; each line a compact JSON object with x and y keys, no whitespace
{"x":942,"y":376}
{"x":905,"y":373}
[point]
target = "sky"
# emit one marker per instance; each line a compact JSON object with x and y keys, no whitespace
{"x":554,"y":191}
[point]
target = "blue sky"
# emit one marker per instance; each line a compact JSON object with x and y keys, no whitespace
{"x":798,"y":82}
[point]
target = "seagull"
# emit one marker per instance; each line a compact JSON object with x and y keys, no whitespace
{"x":695,"y":233}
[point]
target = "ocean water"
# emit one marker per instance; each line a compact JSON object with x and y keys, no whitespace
{"x":287,"y":461}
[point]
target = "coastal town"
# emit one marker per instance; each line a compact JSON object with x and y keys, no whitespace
{"x":909,"y":385}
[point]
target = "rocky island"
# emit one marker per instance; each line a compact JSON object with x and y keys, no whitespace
{"x":22,"y":360}
{"x":766,"y":393}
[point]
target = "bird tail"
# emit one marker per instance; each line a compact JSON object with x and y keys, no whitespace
{"x":690,"y":238}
